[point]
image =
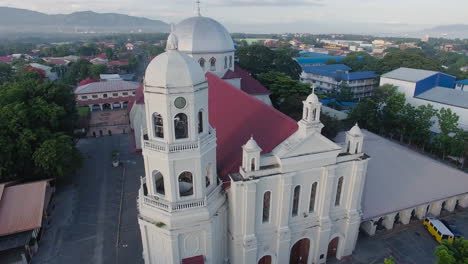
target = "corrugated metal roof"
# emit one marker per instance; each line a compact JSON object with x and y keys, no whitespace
{"x":326,"y":68}
{"x":109,"y":86}
{"x":21,"y":207}
{"x":464,"y":82}
{"x":446,"y":96}
{"x":409,"y":74}
{"x":399,"y":178}
{"x":333,"y":71}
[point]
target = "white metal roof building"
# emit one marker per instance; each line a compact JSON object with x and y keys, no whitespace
{"x":103,"y":87}
{"x":403,"y":182}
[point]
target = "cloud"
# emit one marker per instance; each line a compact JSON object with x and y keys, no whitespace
{"x":263,"y":2}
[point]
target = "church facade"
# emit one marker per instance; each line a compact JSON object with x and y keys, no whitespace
{"x":229,"y":179}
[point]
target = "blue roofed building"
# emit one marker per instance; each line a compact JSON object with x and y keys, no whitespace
{"x":329,"y":77}
{"x":462,"y":85}
{"x":422,"y":87}
{"x":315,"y":59}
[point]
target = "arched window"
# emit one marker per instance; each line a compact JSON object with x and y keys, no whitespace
{"x":200,"y":121}
{"x":339,"y":188}
{"x":313,"y":192}
{"x":265,"y":260}
{"x":252,"y":165}
{"x":266,"y":207}
{"x":158,"y":125}
{"x":314,"y":114}
{"x":230,"y":61}
{"x":295,"y":207}
{"x":212,"y":64}
{"x":225,"y":62}
{"x":357,"y":148}
{"x":202,"y":63}
{"x":208,"y":175}
{"x":181,"y":126}
{"x":185,"y":184}
{"x":349,"y":146}
{"x":158,"y":182}
{"x":306,"y":113}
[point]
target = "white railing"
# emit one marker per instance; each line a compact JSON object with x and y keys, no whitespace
{"x":167,"y":206}
{"x":155,"y":146}
{"x":178,"y":147}
{"x":162,"y":204}
{"x":182,"y":147}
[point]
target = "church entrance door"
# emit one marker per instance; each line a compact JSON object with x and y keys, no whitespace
{"x":332,"y":248}
{"x":265,"y":260}
{"x":300,"y":252}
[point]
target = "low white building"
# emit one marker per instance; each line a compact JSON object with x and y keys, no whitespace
{"x":99,"y":96}
{"x":422,"y":87}
{"x":48,"y":71}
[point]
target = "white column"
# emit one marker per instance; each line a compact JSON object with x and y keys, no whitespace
{"x":450,"y":204}
{"x":388,"y":221}
{"x":250,"y":240}
{"x":421,"y":211}
{"x":434,"y":208}
{"x":405,"y":216}
{"x":283,"y":232}
{"x":328,"y":184}
{"x":463,"y":201}
{"x":369,"y":227}
{"x":90,"y":108}
{"x":100,"y":105}
{"x":121,"y":105}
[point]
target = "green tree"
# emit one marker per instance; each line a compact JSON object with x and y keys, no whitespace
{"x":345,"y":94}
{"x":331,"y":126}
{"x":455,"y":252}
{"x":448,"y":124}
{"x":96,"y":70}
{"x":259,"y":59}
{"x":392,"y":115}
{"x":36,"y":115}
{"x":286,"y":94}
{"x":109,"y":53}
{"x":78,"y":72}
{"x":406,"y":58}
{"x":5,"y":72}
{"x":361,"y":61}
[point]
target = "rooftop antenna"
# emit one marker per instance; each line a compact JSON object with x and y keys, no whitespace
{"x":198,"y":7}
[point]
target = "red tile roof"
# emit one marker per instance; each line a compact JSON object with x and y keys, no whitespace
{"x":6,"y":59}
{"x":102,"y":56}
{"x":21,"y":207}
{"x":87,"y":81}
{"x":249,"y":84}
{"x":236,"y":116}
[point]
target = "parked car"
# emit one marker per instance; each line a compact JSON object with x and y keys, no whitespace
{"x":456,"y":232}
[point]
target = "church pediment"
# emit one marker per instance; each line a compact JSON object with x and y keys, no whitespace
{"x":299,"y":145}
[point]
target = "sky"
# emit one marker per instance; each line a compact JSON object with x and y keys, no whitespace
{"x":276,"y":16}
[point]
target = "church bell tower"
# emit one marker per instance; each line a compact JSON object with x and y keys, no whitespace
{"x":182,"y":211}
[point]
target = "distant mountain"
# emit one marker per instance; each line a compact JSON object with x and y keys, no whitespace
{"x":452,"y":31}
{"x":22,"y":20}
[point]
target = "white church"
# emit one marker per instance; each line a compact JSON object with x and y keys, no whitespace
{"x":229,"y":179}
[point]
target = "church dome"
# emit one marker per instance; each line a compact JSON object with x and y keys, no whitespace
{"x":312,"y":98}
{"x":173,"y":68}
{"x":355,"y":131}
{"x":203,"y":35}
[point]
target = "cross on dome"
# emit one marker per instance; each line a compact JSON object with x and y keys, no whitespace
{"x":198,"y":7}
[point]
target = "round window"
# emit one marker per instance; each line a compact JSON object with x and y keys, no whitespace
{"x":180,"y":102}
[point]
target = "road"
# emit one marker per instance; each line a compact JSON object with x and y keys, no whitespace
{"x":408,"y":244}
{"x":94,"y":218}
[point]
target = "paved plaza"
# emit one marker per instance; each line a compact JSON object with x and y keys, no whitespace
{"x":94,"y":218}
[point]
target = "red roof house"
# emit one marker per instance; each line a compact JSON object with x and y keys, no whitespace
{"x":249,"y":84}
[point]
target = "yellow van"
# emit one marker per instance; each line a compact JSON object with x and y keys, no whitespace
{"x":438,"y":229}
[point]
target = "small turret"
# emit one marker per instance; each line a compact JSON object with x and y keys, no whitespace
{"x":354,"y":140}
{"x":251,"y":155}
